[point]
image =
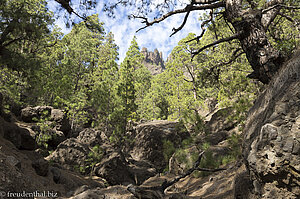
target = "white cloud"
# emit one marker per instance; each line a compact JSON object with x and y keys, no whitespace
{"x":156,"y":36}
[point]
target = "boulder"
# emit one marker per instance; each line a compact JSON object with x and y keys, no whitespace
{"x":114,"y":169}
{"x":70,"y":154}
{"x":41,"y":167}
{"x":58,"y":117}
{"x":32,"y":114}
{"x":61,"y":121}
{"x":150,"y":138}
{"x":219,"y":121}
{"x":90,"y":137}
{"x":115,"y":192}
{"x":272,"y":137}
{"x":215,"y":138}
{"x":20,"y":137}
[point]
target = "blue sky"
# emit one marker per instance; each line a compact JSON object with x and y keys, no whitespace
{"x":156,"y":36}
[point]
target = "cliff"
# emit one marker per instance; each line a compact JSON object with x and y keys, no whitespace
{"x":153,"y":61}
{"x":271,"y":136}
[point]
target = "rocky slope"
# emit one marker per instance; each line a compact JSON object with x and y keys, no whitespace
{"x":272,"y":136}
{"x":153,"y":61}
{"x":69,"y":170}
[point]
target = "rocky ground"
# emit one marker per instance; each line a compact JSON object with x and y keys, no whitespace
{"x":69,"y":170}
{"x":85,"y":164}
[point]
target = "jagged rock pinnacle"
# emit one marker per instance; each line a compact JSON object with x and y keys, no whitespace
{"x":153,"y":61}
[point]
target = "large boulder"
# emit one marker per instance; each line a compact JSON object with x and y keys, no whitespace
{"x":114,"y":169}
{"x":57,"y":117}
{"x":61,"y":121}
{"x":150,"y":138}
{"x":32,"y":114}
{"x":90,"y":137}
{"x":70,"y":154}
{"x":272,"y":136}
{"x":19,"y":136}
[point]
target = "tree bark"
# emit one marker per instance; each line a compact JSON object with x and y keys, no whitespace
{"x":262,"y":56}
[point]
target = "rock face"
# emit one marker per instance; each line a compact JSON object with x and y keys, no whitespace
{"x":272,"y":136}
{"x":23,"y":170}
{"x":70,"y":154}
{"x":56,"y":116}
{"x":20,"y":137}
{"x":153,"y":61}
{"x":150,"y":140}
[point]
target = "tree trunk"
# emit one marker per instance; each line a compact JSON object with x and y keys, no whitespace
{"x":251,"y":24}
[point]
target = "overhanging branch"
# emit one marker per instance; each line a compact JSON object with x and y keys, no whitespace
{"x":202,"y":27}
{"x":235,"y":36}
{"x":182,"y":25}
{"x":188,"y":8}
{"x":280,"y":6}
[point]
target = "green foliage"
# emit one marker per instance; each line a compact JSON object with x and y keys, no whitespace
{"x":24,"y":26}
{"x":168,"y":149}
{"x":45,"y":133}
{"x":94,"y":157}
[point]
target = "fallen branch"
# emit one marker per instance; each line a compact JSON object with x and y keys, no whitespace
{"x":158,"y":192}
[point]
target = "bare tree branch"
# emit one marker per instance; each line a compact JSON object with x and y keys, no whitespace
{"x":188,"y":8}
{"x":202,"y":27}
{"x":235,"y":36}
{"x":203,"y":1}
{"x":281,"y":6}
{"x":158,"y":191}
{"x":182,"y":25}
{"x":270,"y":13}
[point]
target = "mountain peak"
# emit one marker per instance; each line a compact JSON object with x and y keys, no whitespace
{"x":153,"y":61}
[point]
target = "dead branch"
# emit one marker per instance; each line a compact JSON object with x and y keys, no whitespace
{"x":165,"y":185}
{"x":157,"y":192}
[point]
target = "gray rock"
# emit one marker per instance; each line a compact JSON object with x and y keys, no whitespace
{"x":41,"y":167}
{"x":153,"y":61}
{"x":60,"y":118}
{"x":272,"y":136}
{"x":216,"y":137}
{"x":20,"y":137}
{"x":12,"y":161}
{"x":56,"y":173}
{"x":90,"y":137}
{"x":32,"y":114}
{"x":70,"y":154}
{"x":114,"y":169}
{"x":149,"y":140}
